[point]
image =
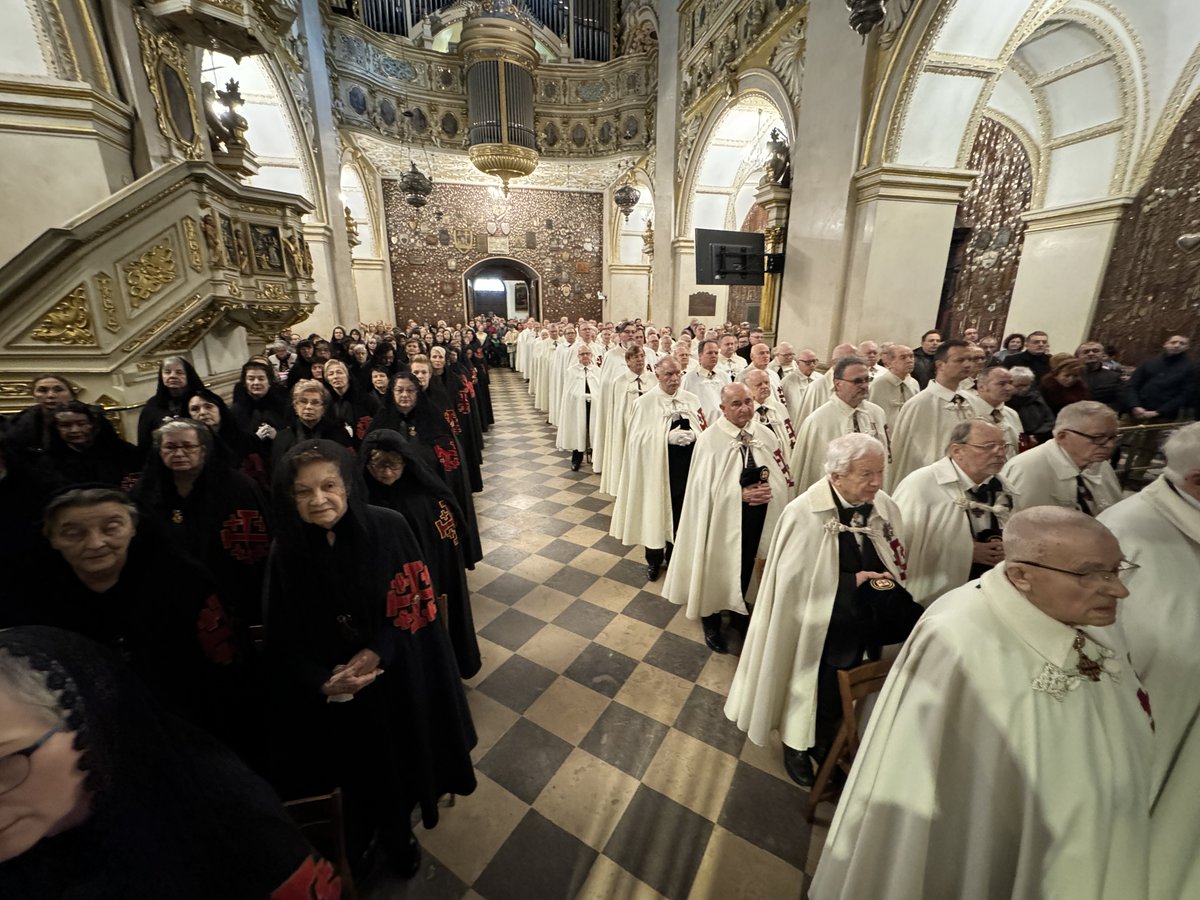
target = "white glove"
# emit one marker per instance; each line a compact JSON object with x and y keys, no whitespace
{"x":681,"y":437}
{"x":265,"y":432}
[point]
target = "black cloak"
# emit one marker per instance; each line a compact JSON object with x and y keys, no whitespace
{"x":110,"y":460}
{"x":162,"y":406}
{"x":173,"y":813}
{"x":405,"y":739}
{"x":433,"y":514}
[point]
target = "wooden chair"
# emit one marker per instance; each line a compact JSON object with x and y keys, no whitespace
{"x":853,"y":685}
{"x":320,"y":820}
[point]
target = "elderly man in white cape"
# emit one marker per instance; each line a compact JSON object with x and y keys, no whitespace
{"x":831,"y":541}
{"x":1009,"y":755}
{"x":1159,"y":530}
{"x":894,"y":386}
{"x":821,"y":388}
{"x":954,"y":511}
{"x":768,"y":409}
{"x":562,"y":357}
{"x":617,"y":398}
{"x":612,"y":366}
{"x":525,"y":341}
{"x":577,"y":422}
{"x":1071,"y":471}
{"x":796,"y":383}
{"x":993,"y":389}
{"x":738,"y":484}
{"x":846,"y":411}
{"x":661,"y":438}
{"x":760,"y":361}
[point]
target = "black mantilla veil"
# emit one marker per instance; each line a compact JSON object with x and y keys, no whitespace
{"x":163,"y":405}
{"x":433,"y":513}
{"x":405,"y":739}
{"x":173,"y":813}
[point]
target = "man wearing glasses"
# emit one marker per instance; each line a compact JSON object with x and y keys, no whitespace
{"x":1071,"y":471}
{"x":797,"y":382}
{"x":848,"y":411}
{"x":1159,"y":528}
{"x":1010,"y":752}
{"x":954,"y":511}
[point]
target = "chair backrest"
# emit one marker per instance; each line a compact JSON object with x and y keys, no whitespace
{"x":320,"y":820}
{"x":855,"y":684}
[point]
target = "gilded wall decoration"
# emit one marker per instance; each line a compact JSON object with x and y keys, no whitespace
{"x":549,"y":231}
{"x":192,"y":240}
{"x":168,"y":74}
{"x":68,"y":322}
{"x":787,"y":59}
{"x":990,"y":248}
{"x":272,"y":291}
{"x":1151,"y":288}
{"x":161,"y":325}
{"x":212,"y":238}
{"x":104,"y":287}
{"x":268,"y":249}
{"x":150,"y":273}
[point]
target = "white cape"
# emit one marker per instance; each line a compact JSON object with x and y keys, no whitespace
{"x":775,"y":686}
{"x":576,"y":429}
{"x":619,"y":396}
{"x":832,"y":420}
{"x":1160,"y":531}
{"x":922,"y":429}
{"x":972,"y":783}
{"x":939,"y":538}
{"x":705,"y":571}
{"x":642,"y":513}
{"x":1045,"y":476}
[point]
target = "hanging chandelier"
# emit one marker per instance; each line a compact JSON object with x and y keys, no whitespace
{"x":626,"y":198}
{"x":498,"y":49}
{"x":415,"y":186}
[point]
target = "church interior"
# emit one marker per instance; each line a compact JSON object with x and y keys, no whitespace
{"x":190,"y":178}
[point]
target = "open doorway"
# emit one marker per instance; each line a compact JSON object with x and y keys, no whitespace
{"x":503,"y":287}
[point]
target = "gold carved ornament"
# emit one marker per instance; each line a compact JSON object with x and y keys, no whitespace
{"x":192,"y":239}
{"x":150,"y":272}
{"x":104,"y":285}
{"x":158,"y":327}
{"x":162,"y":51}
{"x":69,"y":322}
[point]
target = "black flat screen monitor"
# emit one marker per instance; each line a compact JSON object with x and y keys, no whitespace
{"x":729,"y":257}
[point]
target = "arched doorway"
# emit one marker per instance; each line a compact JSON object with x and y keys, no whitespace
{"x":504,"y":287}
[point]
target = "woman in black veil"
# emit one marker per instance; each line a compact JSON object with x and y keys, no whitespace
{"x":414,"y":415}
{"x":366,"y":677}
{"x":177,"y":381}
{"x":397,"y":478}
{"x":122,"y":799}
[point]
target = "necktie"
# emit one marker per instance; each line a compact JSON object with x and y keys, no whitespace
{"x":903,"y":392}
{"x":1083,"y":495}
{"x":639,"y":384}
{"x":762,"y":414}
{"x":854,"y":422}
{"x":986,"y":491}
{"x":960,"y":406}
{"x":997,"y":416}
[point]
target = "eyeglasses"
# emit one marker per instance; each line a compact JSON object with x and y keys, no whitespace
{"x":864,"y":380}
{"x":14,"y":768}
{"x":808,"y":362}
{"x":989,"y":447}
{"x":176,"y":448}
{"x":1099,"y":440}
{"x":1090,"y":580}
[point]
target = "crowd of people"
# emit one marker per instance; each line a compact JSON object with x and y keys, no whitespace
{"x":285,"y":573}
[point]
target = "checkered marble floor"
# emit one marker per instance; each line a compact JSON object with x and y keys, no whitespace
{"x":606,"y":766}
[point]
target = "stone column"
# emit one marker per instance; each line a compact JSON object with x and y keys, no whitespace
{"x":774,"y":199}
{"x":335,"y":287}
{"x":1062,"y":268}
{"x":899,"y":247}
{"x":662,"y":305}
{"x":825,"y":156}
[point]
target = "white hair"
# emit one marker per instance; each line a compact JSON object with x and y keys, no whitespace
{"x":1182,"y":450}
{"x":1022,"y":372}
{"x":847,"y":448}
{"x":1074,"y":416}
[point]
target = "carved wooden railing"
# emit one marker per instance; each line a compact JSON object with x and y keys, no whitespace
{"x":182,"y":260}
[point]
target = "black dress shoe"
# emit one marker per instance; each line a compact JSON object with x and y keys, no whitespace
{"x":652,"y":571}
{"x":715,"y":641}
{"x":405,"y":861}
{"x":575,"y":466}
{"x":799,"y":766}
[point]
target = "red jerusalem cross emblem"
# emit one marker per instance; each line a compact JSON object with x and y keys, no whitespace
{"x":244,"y":535}
{"x":410,"y":601}
{"x":445,"y":523}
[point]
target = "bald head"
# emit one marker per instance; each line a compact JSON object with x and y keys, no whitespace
{"x":1050,"y":533}
{"x":759,"y":383}
{"x":841,"y":351}
{"x":736,"y":404}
